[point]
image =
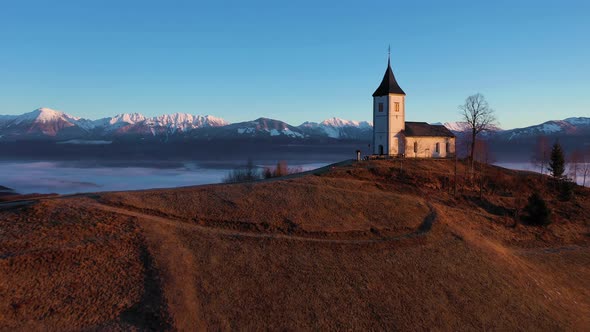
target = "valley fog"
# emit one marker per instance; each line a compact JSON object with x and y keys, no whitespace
{"x":69,"y":177}
{"x":537,"y":169}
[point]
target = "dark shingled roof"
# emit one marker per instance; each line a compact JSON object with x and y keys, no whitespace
{"x":389,"y":84}
{"x":425,"y":129}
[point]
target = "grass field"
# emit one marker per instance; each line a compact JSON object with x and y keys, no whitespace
{"x":372,"y":245}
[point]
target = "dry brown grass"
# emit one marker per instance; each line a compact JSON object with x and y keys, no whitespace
{"x":336,"y":251}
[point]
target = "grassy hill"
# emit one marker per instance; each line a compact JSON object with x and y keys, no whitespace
{"x":372,"y":245}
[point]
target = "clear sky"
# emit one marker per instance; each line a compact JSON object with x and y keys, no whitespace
{"x":295,"y":60}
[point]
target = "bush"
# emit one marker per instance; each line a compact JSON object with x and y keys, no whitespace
{"x":566,"y":189}
{"x":536,"y":212}
{"x":244,"y":174}
{"x":280,"y":170}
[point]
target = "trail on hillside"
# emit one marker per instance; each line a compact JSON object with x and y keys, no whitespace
{"x":422,"y":230}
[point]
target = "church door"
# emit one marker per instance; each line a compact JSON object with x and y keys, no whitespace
{"x":380,"y":150}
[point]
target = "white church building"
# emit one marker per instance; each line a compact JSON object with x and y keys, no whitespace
{"x":393,"y":136}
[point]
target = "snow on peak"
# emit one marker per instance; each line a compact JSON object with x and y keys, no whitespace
{"x":42,"y":114}
{"x":462,"y":126}
{"x":168,"y":123}
{"x":46,"y":115}
{"x":457,"y":126}
{"x":129,"y":118}
{"x":215,"y":121}
{"x":337,"y":128}
{"x":577,"y":121}
{"x":339,"y":123}
{"x":187,"y":121}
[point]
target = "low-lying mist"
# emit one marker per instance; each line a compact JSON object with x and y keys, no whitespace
{"x":77,"y":177}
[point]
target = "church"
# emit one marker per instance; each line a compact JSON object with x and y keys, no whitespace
{"x":394,"y":136}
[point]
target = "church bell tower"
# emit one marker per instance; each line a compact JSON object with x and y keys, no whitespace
{"x":389,"y":116}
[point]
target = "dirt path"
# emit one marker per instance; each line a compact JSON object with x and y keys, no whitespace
{"x":423,"y":229}
{"x":178,"y":269}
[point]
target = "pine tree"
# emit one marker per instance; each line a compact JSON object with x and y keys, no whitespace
{"x":557,"y":161}
{"x":537,"y":212}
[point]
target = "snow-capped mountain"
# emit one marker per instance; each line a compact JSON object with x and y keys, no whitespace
{"x":338,"y":128}
{"x":455,"y":127}
{"x":517,"y":144}
{"x":261,"y":127}
{"x":118,"y":121}
{"x":570,"y":127}
{"x":462,"y":127}
{"x":46,"y":123}
{"x":52,"y":124}
{"x":43,"y":122}
{"x":185,"y":122}
{"x":49,"y":123}
{"x":166,"y":124}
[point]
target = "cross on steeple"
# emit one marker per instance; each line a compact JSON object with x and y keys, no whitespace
{"x":388,"y":84}
{"x":389,"y":55}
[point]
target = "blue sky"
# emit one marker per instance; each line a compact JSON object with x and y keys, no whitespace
{"x":295,"y":60}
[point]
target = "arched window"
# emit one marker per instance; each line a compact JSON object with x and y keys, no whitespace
{"x":437,"y":147}
{"x":448,"y":147}
{"x":415,"y":147}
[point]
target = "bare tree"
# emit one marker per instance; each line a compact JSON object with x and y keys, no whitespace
{"x":576,"y":161}
{"x":585,"y":172}
{"x":585,"y":167}
{"x":541,"y":153}
{"x":482,"y":152}
{"x":479,"y":117}
{"x":247,"y":173}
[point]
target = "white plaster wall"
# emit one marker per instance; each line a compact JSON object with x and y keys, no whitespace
{"x":380,"y":123}
{"x":389,"y":124}
{"x":397,"y":120}
{"x":427,"y":147}
{"x":397,"y":124}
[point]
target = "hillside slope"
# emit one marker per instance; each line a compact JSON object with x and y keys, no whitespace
{"x":374,"y":245}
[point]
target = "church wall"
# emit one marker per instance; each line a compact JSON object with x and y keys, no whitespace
{"x":396,"y":121}
{"x":380,"y":125}
{"x":426,"y":147}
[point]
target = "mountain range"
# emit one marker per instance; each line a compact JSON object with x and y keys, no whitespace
{"x":48,"y":124}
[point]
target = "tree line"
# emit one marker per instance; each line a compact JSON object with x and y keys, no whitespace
{"x":480,"y":117}
{"x":251,"y":172}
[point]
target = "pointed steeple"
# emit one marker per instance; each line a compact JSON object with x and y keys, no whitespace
{"x":389,"y":56}
{"x":388,"y":84}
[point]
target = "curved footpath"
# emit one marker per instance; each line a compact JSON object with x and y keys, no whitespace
{"x":423,"y":229}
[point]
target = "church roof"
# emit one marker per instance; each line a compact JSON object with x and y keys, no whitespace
{"x":425,"y":129}
{"x":388,"y":84}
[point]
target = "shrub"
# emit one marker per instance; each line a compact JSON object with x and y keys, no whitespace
{"x":566,"y":189}
{"x":280,"y":170}
{"x":244,"y":174}
{"x":536,"y":211}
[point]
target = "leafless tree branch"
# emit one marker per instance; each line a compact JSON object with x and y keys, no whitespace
{"x":476,"y":112}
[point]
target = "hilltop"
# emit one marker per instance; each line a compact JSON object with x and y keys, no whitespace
{"x":369,"y":245}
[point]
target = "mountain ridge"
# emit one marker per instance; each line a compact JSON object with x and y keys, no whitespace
{"x":46,"y":123}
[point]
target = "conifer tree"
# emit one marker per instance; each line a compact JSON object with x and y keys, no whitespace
{"x":537,"y":212}
{"x":557,"y":161}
